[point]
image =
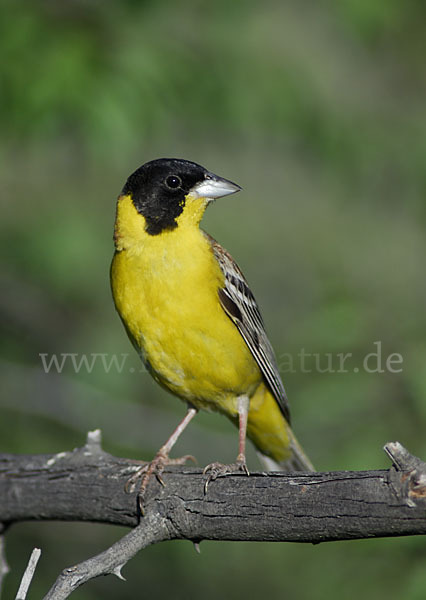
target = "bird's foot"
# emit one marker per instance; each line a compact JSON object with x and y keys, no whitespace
{"x":147,"y":470}
{"x":218,"y":469}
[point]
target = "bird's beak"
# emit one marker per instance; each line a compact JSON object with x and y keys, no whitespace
{"x":214,"y":187}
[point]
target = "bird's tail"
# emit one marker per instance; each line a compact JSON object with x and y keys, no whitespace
{"x":298,"y":461}
{"x":272,"y":436}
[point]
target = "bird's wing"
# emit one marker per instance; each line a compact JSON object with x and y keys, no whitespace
{"x":240,"y":305}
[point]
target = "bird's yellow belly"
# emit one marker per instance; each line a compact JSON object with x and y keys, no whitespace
{"x":169,"y":303}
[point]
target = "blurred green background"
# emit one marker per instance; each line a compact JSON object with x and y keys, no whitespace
{"x":318,"y":110}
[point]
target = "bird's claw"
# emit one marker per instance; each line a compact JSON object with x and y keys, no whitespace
{"x":218,"y":469}
{"x":147,"y":470}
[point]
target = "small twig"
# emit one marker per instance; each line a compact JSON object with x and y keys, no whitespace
{"x":28,"y":574}
{"x":151,"y":530}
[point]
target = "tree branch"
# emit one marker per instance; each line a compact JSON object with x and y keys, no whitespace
{"x":88,"y":485}
{"x":151,"y":530}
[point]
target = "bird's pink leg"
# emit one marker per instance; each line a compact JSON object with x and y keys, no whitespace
{"x":216,"y":469}
{"x":160,"y":461}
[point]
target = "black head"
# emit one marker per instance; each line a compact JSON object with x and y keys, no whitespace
{"x":159,"y":189}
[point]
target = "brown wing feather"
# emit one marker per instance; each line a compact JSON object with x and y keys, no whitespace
{"x":240,"y":305}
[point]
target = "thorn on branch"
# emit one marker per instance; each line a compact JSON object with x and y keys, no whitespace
{"x":197,"y":547}
{"x":94,"y":441}
{"x":117,"y":572}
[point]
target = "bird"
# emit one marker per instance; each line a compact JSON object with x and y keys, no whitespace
{"x":192,"y":317}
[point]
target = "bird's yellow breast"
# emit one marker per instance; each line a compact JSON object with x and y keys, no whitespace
{"x":165,"y":288}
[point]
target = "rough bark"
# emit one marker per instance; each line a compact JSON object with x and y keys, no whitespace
{"x":88,"y":485}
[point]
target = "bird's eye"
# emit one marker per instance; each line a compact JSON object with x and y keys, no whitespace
{"x":173,"y":182}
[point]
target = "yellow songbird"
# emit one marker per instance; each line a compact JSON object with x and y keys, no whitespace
{"x":192,"y":317}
